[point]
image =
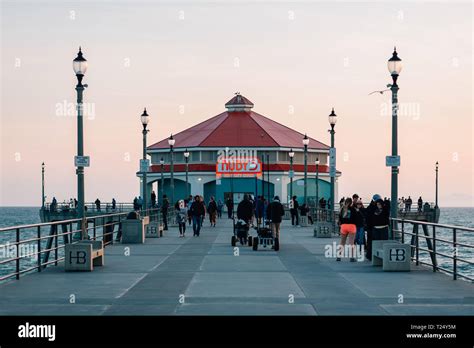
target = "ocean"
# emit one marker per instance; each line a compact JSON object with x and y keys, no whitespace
{"x":12,"y":216}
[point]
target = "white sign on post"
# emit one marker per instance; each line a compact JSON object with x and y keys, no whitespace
{"x":81,"y":161}
{"x":392,"y":161}
{"x":332,"y":162}
{"x":144,"y":165}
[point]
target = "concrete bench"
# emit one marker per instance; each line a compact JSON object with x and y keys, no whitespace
{"x":323,"y":229}
{"x":83,"y":255}
{"x":154,"y":230}
{"x":133,"y":230}
{"x":392,"y":255}
{"x":303,"y":221}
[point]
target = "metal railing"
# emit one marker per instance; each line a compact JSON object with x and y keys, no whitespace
{"x":29,"y":247}
{"x":107,"y":207}
{"x":433,"y":243}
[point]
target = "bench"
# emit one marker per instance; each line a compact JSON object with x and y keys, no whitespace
{"x":323,"y":229}
{"x":392,"y":255}
{"x":83,"y":255}
{"x":154,"y":230}
{"x":304,"y":221}
{"x":133,"y":230}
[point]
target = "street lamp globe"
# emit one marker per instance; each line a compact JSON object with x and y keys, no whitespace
{"x":332,"y":118}
{"x":305,"y":140}
{"x":186,"y":153}
{"x":79,"y":64}
{"x":394,"y":64}
{"x":145,"y":118}
{"x":171,"y":140}
{"x":291,"y":153}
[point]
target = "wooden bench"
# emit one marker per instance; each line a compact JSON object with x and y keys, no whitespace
{"x":392,"y":255}
{"x":84,"y":255}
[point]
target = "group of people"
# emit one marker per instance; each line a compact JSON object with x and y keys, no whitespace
{"x":355,"y":220}
{"x":406,"y":203}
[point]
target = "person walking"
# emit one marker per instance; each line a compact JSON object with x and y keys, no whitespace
{"x":380,"y":220}
{"x":164,"y":212}
{"x":212,"y":210}
{"x":275,"y":212}
{"x":347,"y":221}
{"x":97,"y":204}
{"x":114,"y":204}
{"x":369,"y":213}
{"x":260,"y":209}
{"x":304,"y":209}
{"x":181,"y":217}
{"x":294,"y":207}
{"x":135,"y":204}
{"x":153,"y":199}
{"x":220,"y":206}
{"x":420,"y":204}
{"x":408,"y":204}
{"x":230,"y":206}
{"x":360,"y":224}
{"x":140,"y":202}
{"x":245,"y":209}
{"x":198,"y":211}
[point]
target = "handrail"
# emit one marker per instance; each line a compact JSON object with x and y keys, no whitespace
{"x":40,"y":247}
{"x":431,"y":242}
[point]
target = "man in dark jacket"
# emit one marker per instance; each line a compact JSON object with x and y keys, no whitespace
{"x":245,"y":209}
{"x":230,"y":207}
{"x":294,"y":211}
{"x":164,"y":212}
{"x":275,"y":211}
{"x":369,"y":224}
{"x":197,"y":211}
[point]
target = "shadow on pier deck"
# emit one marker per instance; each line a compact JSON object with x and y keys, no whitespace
{"x":201,"y":276}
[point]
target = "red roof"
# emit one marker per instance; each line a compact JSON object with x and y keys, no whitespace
{"x":239,"y":129}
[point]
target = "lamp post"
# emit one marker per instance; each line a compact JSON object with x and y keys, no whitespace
{"x":317,"y":182}
{"x":79,"y":65}
{"x":436,"y":194}
{"x":186,"y":159}
{"x":292,"y":174}
{"x":42,"y":186}
{"x":145,"y":119}
{"x":394,"y":67}
{"x":171,"y":142}
{"x":162,"y":162}
{"x":305,"y":144}
{"x":332,"y":156}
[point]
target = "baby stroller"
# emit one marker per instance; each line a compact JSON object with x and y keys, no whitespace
{"x":241,"y":234}
{"x":265,"y":238}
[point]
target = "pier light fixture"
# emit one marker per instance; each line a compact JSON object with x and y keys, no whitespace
{"x":332,"y":118}
{"x":79,"y":65}
{"x":332,"y":161}
{"x":305,"y":140}
{"x":305,"y":144}
{"x":186,"y":158}
{"x":394,"y":65}
{"x":292,"y":174}
{"x":145,"y":118}
{"x":171,"y":141}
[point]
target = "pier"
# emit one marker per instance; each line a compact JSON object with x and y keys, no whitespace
{"x":206,"y":276}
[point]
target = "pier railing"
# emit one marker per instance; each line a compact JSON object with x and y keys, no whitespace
{"x":29,"y":248}
{"x":445,"y":242}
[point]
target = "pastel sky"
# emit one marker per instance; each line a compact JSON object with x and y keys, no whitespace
{"x":184,"y":60}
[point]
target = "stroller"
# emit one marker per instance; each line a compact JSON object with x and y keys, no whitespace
{"x":265,"y":237}
{"x":241,"y":233}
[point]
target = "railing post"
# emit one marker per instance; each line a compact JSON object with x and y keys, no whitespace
{"x":95,"y":228}
{"x":455,"y":255}
{"x":56,"y":246}
{"x":417,"y":246}
{"x":17,"y":253}
{"x":38,"y":234}
{"x":403,"y":231}
{"x":435,"y":264}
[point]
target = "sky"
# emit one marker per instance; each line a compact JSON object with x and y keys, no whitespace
{"x":184,"y":61}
